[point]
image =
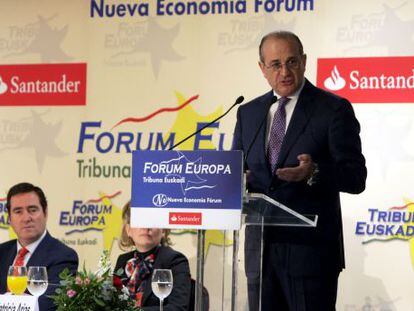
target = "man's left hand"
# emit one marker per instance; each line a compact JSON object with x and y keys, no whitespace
{"x":301,"y":172}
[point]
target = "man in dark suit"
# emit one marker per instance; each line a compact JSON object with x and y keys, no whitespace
{"x":27,"y":208}
{"x":302,"y":152}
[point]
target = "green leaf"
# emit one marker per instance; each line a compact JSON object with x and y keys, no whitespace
{"x":64,"y":274}
{"x":99,"y":302}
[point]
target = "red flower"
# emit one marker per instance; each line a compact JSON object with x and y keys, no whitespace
{"x":116,"y":280}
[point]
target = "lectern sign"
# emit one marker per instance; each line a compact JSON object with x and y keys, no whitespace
{"x":187,"y":189}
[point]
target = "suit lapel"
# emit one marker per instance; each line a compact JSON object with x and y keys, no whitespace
{"x":300,"y":118}
{"x":39,"y":257}
{"x":261,"y":137}
{"x":12,"y":253}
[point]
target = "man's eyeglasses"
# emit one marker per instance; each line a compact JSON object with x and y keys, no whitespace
{"x":292,"y":64}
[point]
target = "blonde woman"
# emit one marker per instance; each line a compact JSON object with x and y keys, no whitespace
{"x":151,"y":251}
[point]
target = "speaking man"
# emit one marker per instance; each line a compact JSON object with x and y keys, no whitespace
{"x":302,"y":151}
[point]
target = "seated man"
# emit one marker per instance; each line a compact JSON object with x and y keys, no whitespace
{"x":27,"y":208}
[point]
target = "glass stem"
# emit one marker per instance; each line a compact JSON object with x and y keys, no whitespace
{"x":161,"y":304}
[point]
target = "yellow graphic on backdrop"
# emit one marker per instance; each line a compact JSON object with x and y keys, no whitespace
{"x":410,"y":239}
{"x":113,"y":227}
{"x":217,"y":238}
{"x":12,"y":234}
{"x":186,"y":123}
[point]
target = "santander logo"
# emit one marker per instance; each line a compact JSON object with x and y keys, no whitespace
{"x":43,"y":85}
{"x":184,"y":218}
{"x":334,"y":82}
{"x":369,"y":79}
{"x":3,"y":86}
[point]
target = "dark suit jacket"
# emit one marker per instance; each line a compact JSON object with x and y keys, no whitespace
{"x":166,"y":258}
{"x":51,"y":253}
{"x":324,"y":126}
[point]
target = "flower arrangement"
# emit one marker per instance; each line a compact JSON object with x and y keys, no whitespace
{"x":87,"y":291}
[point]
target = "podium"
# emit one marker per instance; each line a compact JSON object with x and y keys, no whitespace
{"x":204,"y":190}
{"x":200,"y":190}
{"x":259,"y":211}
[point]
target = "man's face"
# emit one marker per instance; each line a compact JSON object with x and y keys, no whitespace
{"x":283,"y":66}
{"x":27,"y":217}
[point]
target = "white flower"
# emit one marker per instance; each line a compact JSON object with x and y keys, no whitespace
{"x":104,"y":265}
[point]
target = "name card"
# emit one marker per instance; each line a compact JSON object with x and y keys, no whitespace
{"x":18,"y":303}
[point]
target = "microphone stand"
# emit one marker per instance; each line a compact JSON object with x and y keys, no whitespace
{"x":238,"y":101}
{"x":274,"y":99}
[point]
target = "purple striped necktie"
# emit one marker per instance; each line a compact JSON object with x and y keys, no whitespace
{"x":277,"y":133}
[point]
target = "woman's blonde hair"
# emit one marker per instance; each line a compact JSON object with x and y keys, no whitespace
{"x":126,"y":243}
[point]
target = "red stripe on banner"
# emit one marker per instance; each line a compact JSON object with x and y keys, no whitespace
{"x":150,"y":116}
{"x":104,"y":197}
{"x":401,"y":207}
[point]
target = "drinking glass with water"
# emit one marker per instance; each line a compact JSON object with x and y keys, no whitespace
{"x":162,"y":284}
{"x":37,"y":281}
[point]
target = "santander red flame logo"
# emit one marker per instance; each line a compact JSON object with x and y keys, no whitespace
{"x":334,"y":82}
{"x":185,"y":218}
{"x":3,"y":87}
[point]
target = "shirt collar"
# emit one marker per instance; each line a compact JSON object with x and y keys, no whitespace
{"x":32,"y":246}
{"x":294,"y":96}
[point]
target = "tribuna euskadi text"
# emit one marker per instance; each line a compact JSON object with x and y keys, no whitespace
{"x":387,"y":223}
{"x":380,"y":82}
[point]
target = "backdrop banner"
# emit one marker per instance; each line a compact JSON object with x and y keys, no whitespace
{"x":84,"y":83}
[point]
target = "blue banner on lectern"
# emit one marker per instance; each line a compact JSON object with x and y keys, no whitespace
{"x":186,"y":189}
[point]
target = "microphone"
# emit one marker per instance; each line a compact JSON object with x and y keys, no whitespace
{"x":238,"y":101}
{"x":273,"y":100}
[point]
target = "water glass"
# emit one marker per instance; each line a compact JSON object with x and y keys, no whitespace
{"x":37,"y":280}
{"x":162,"y":284}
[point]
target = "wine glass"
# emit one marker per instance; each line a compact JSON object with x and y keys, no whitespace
{"x":162,"y":284}
{"x":17,"y":279}
{"x":37,"y":280}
